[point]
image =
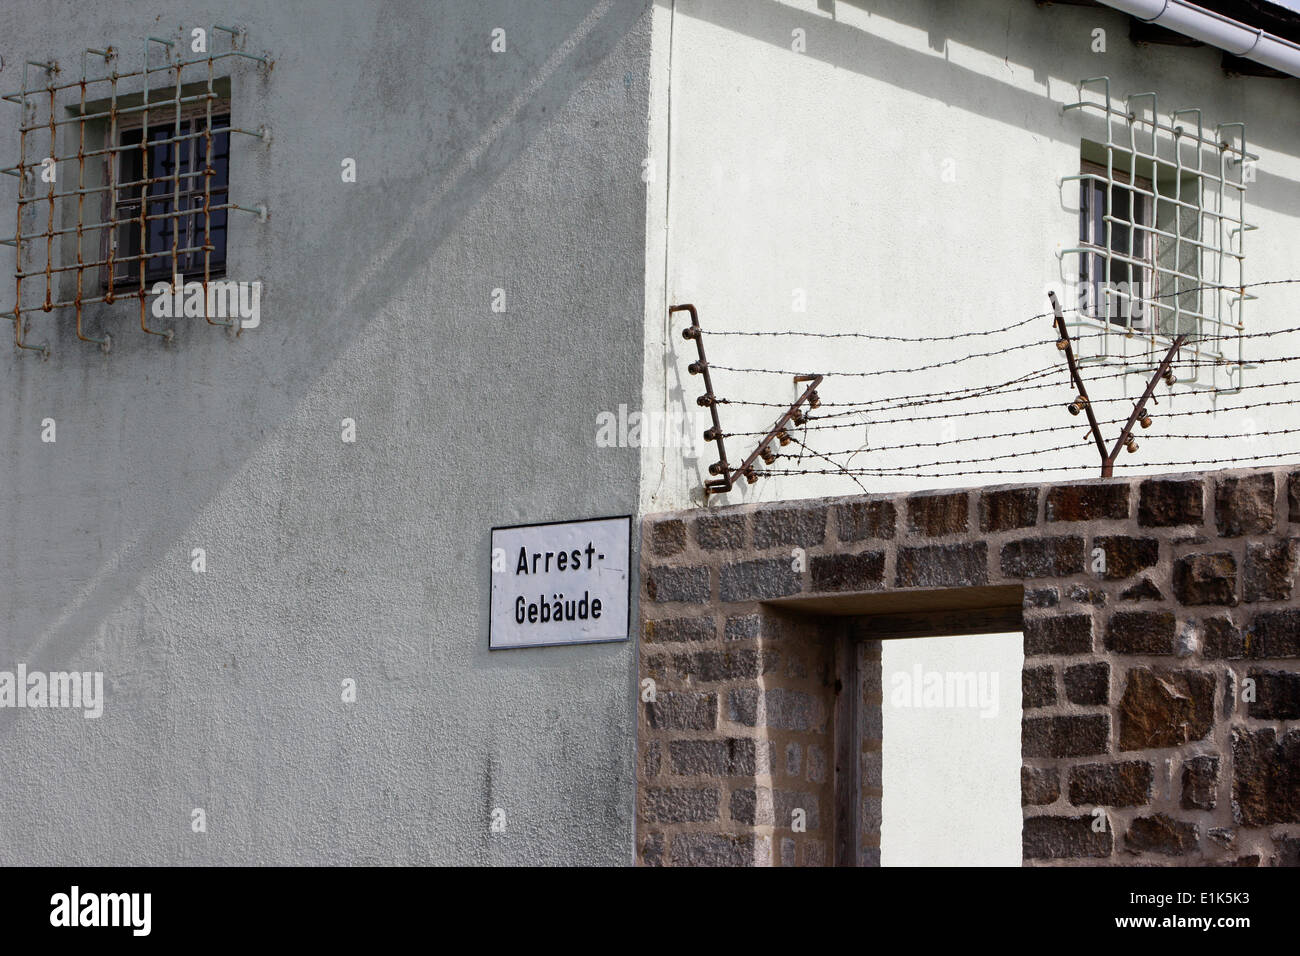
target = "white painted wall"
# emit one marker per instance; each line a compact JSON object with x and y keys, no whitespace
{"x":822,"y":171}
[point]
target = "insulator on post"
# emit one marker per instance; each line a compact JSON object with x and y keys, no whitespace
{"x":1062,"y":344}
{"x":783,"y":437}
{"x":814,"y":400}
{"x":1146,"y":419}
{"x":1080,"y":400}
{"x":799,"y":418}
{"x":1170,"y":378}
{"x":695,"y":368}
{"x":767,"y":455}
{"x":750,"y":476}
{"x":690,"y":332}
{"x":710,"y":434}
{"x":704,"y":400}
{"x":1073,"y":408}
{"x":715,"y":468}
{"x":1132,"y":446}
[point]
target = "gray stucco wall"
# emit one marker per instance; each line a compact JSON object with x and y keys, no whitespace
{"x":328,"y":560}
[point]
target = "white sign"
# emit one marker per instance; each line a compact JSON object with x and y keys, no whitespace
{"x":560,"y":583}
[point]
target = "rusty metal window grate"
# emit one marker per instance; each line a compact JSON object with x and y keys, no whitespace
{"x":1160,"y":252}
{"x":123,"y":179}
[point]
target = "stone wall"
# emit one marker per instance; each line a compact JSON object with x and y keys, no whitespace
{"x":1161,"y":685}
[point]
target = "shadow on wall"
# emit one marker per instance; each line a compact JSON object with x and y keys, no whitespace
{"x":331,"y":298}
{"x":993,"y":26}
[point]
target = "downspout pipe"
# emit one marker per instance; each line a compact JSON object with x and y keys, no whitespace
{"x":1239,"y":39}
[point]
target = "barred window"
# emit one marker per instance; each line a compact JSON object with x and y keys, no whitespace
{"x":182,"y":175}
{"x":123,"y":180}
{"x":1115,"y":220}
{"x":1161,"y":236}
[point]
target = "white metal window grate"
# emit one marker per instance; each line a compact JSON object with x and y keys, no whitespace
{"x":1160,"y":249}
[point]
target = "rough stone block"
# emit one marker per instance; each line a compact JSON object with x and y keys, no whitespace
{"x":778,"y":708}
{"x":1270,"y":572}
{"x":651,"y":758}
{"x":1082,"y":594}
{"x":760,"y":580}
{"x":680,"y":629}
{"x":680,"y":805}
{"x":803,"y":527}
{"x":1222,"y":640}
{"x":1265,"y":777}
{"x":1274,"y":634}
{"x":1277,"y":695}
{"x":1141,"y":632}
{"x":1244,"y":505}
{"x":860,"y":520}
{"x":1088,"y":684}
{"x":1200,"y":781}
{"x":848,"y":572}
{"x":674,"y":710}
{"x":1008,"y":509}
{"x":1042,"y":557}
{"x":1058,"y":634}
{"x":1087,"y":502}
{"x":688,"y":585}
{"x":734,"y":663}
{"x":1039,"y":786}
{"x":1064,"y":838}
{"x":1126,"y":784}
{"x":1165,"y":503}
{"x":942,"y":565}
{"x":719,"y":849}
{"x":652,"y":850}
{"x":1038,"y":687}
{"x":1041,"y":597}
{"x":668,"y":537}
{"x":720,"y":532}
{"x":1069,"y":736}
{"x":932,"y":515}
{"x":1162,"y":834}
{"x":743,"y":626}
{"x":1206,"y":578}
{"x":730,"y":757}
{"x":1288,"y":851}
{"x":793,"y":760}
{"x":1126,"y":556}
{"x":1165,"y":708}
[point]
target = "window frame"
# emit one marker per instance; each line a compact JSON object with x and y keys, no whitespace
{"x":113,"y":203}
{"x":1141,"y":192}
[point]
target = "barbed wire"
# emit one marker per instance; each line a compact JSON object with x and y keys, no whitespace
{"x":877,"y":473}
{"x":1073,"y":426}
{"x":1033,"y":380}
{"x":1040,"y":451}
{"x":945,"y":416}
{"x":1013,"y":386}
{"x":949,"y":362}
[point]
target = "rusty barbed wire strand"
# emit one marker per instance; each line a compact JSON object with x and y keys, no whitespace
{"x":1039,"y":451}
{"x":876,"y":473}
{"x":944,"y":416}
